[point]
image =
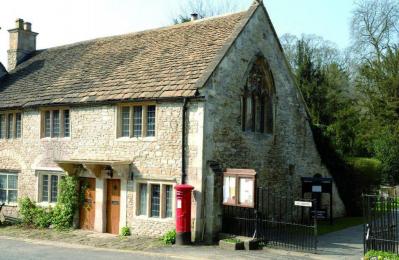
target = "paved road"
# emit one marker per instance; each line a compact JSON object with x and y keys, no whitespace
{"x":11,"y":249}
{"x":343,"y":244}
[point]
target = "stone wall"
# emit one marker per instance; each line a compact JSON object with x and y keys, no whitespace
{"x":280,"y":159}
{"x":93,"y":137}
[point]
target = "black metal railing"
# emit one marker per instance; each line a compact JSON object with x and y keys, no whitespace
{"x":381,"y":218}
{"x":274,"y":220}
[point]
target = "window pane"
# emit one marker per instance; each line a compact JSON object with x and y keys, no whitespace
{"x":137,"y":121}
{"x":246,"y":191}
{"x":10,"y":127}
{"x":18,"y":125}
{"x":12,"y":196}
{"x":155,"y":199}
{"x":13,"y":181}
{"x":229,"y":190}
{"x":54,"y":188}
{"x":45,"y":188}
{"x":248,"y":113}
{"x":125,"y":121}
{"x":3,"y":181}
{"x":2,"y":126}
{"x":169,"y":201}
{"x":47,"y":124}
{"x":56,"y":123}
{"x":269,"y":115}
{"x":143,"y":199}
{"x":151,"y":121}
{"x":3,"y":196}
{"x":67,"y":124}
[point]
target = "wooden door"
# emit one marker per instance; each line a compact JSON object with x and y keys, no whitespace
{"x":87,"y":211}
{"x":113,"y":205}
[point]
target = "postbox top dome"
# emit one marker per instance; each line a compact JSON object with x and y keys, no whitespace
{"x":183,"y":187}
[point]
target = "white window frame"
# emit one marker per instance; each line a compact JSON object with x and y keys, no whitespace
{"x":162,"y":206}
{"x":61,"y":111}
{"x":6,"y":173}
{"x":40,"y":175}
{"x":144,"y":123}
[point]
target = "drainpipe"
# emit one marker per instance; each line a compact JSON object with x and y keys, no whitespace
{"x":183,"y":142}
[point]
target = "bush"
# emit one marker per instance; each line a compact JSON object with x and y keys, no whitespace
{"x":67,"y":204}
{"x":61,"y":217}
{"x":170,"y":237}
{"x":381,"y":255}
{"x":42,"y":217}
{"x":125,"y":232}
{"x":33,"y":215}
{"x":27,"y":210}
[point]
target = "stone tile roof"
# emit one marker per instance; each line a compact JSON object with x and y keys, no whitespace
{"x":161,"y":63}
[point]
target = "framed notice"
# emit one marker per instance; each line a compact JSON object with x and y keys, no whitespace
{"x":239,"y":187}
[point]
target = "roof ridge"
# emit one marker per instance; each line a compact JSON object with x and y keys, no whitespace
{"x":167,"y":27}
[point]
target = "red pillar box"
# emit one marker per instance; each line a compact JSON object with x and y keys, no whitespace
{"x":183,"y":214}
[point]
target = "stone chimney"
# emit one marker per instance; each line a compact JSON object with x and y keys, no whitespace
{"x":22,"y":43}
{"x":194,"y":17}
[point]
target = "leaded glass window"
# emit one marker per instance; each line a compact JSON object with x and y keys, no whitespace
{"x":155,"y":201}
{"x":8,"y":187}
{"x":151,"y":121}
{"x":137,"y":121}
{"x":125,"y":121}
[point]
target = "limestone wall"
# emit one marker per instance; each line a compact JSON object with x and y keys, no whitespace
{"x":280,"y":159}
{"x":93,"y":137}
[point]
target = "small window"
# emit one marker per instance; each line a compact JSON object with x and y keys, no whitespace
{"x":136,"y":121}
{"x":151,"y":121}
{"x":47,"y":124}
{"x":169,"y":201}
{"x":10,"y":126}
{"x":2,"y":126}
{"x":56,"y":123}
{"x":143,"y":199}
{"x":49,"y":186}
{"x":155,"y":201}
{"x":125,"y":121}
{"x":18,"y":125}
{"x":239,"y":187}
{"x":67,"y":124}
{"x":8,"y":187}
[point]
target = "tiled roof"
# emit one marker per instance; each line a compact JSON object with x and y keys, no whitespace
{"x":161,"y":63}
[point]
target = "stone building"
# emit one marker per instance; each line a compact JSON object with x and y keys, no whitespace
{"x":133,"y":115}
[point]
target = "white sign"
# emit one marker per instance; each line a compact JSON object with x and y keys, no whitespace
{"x":303,"y":203}
{"x":316,"y":188}
{"x":179,"y":203}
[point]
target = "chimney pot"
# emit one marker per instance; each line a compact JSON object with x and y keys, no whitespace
{"x":27,"y":26}
{"x":194,"y":16}
{"x":19,"y":24}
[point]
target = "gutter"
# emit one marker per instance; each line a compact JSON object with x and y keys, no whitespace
{"x":183,"y":142}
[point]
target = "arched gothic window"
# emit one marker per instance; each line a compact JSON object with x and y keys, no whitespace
{"x":257,"y":99}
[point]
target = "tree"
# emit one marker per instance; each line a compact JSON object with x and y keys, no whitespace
{"x":374,"y":27}
{"x":204,"y":8}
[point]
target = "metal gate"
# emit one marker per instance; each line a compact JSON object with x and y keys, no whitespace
{"x":274,"y":220}
{"x":381,"y":218}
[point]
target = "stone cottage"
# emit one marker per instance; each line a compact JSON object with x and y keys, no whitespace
{"x":133,"y":115}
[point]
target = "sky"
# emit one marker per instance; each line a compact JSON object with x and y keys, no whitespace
{"x":61,"y":22}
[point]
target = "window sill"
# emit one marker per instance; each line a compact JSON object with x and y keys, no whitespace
{"x":46,"y":204}
{"x":11,"y":204}
{"x":136,"y":139}
{"x":154,"y":219}
{"x":10,"y":140}
{"x":48,"y":139}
